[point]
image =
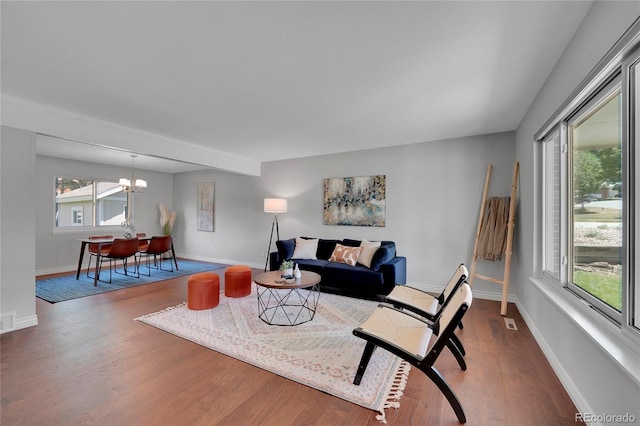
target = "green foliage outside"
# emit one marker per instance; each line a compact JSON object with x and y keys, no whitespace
{"x":593,"y":169}
{"x":65,"y":184}
{"x":587,"y":178}
{"x":604,"y":286}
{"x":611,"y":163}
{"x":598,"y":214}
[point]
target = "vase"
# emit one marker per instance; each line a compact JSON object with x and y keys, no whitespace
{"x":287,"y":272}
{"x":129,"y":229}
{"x":296,"y":272}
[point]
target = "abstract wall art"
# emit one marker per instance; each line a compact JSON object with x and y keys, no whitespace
{"x":355,"y":201}
{"x":206,"y":206}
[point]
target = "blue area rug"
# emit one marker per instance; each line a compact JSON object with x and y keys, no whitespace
{"x":66,"y":287}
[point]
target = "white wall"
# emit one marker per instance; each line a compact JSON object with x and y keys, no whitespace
{"x":591,"y":375}
{"x":59,"y":252}
{"x":17,"y":233}
{"x":434,"y":190}
{"x":241,"y":228}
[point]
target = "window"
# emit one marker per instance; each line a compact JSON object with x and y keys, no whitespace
{"x":590,"y":227}
{"x":595,"y":213}
{"x":632,"y":74}
{"x":88,"y":203}
{"x":76,"y":215}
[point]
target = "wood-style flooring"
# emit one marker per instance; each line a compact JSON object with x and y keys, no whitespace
{"x":88,"y":362}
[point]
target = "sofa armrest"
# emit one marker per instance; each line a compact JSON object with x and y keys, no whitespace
{"x":395,"y":271}
{"x":274,"y":261}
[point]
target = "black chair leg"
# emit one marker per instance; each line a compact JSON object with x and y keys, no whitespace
{"x":364,"y":361}
{"x":100,"y":260}
{"x":456,"y":353}
{"x":442,"y":384}
{"x":89,"y":267}
{"x":456,"y":341}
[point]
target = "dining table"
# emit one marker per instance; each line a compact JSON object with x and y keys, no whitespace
{"x":104,"y":241}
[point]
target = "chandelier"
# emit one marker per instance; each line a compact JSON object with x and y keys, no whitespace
{"x":133,"y":185}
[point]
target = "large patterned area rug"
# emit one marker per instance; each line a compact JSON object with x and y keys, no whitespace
{"x":66,"y":287}
{"x":322,"y":353}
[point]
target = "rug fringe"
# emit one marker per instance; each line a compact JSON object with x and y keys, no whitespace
{"x":170,"y":308}
{"x":396,"y":391}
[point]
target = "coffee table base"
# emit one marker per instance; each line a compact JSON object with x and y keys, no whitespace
{"x":287,"y":307}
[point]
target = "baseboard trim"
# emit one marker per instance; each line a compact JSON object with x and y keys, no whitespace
{"x":576,"y":396}
{"x":9,"y":322}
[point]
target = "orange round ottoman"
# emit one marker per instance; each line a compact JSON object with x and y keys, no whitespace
{"x":203,"y":291}
{"x":237,"y":281}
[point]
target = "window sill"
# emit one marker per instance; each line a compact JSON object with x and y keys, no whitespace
{"x":623,"y":350}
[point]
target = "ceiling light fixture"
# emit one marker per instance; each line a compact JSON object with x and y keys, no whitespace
{"x":131,"y":186}
{"x":138,"y":184}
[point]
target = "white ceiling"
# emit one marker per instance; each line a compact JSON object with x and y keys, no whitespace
{"x":274,"y":80}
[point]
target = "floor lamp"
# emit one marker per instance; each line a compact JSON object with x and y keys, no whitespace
{"x":275,"y":206}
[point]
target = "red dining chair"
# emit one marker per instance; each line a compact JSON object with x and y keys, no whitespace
{"x":143,"y":241}
{"x":121,"y":249}
{"x":158,"y":246}
{"x":93,"y":248}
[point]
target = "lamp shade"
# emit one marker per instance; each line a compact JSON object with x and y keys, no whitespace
{"x":275,"y":205}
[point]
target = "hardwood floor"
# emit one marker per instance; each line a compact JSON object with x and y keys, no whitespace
{"x":89,"y":362}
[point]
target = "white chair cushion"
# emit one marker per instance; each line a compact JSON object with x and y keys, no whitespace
{"x":413,"y":297}
{"x":402,"y":330}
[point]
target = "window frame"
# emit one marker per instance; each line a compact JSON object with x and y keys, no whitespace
{"x":618,"y":61}
{"x":603,"y":94}
{"x":631,"y":160}
{"x":84,"y":228}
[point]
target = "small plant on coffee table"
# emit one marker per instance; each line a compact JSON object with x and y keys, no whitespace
{"x":287,"y":268}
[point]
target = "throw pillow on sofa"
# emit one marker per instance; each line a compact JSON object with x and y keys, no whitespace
{"x":285,"y":248}
{"x":384,"y":254}
{"x":369,"y":248}
{"x":345,"y":254}
{"x":305,"y":249}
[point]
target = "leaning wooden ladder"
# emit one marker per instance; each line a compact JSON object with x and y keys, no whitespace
{"x":509,"y":243}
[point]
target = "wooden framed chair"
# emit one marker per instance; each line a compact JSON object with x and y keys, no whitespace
{"x":93,"y":248}
{"x":423,"y":303}
{"x":121,"y":249}
{"x":428,"y":306}
{"x":158,"y":246}
{"x":409,"y":338}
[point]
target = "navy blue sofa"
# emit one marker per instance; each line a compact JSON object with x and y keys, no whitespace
{"x":387,"y":269}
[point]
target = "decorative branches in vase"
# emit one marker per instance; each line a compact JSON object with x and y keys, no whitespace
{"x":167,"y":219}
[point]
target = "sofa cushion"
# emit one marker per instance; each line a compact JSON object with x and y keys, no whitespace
{"x":325,"y":248}
{"x":316,"y":266}
{"x":369,"y":249}
{"x":285,"y":248}
{"x":305,"y":249}
{"x":341,"y":273}
{"x":384,"y":254}
{"x":345,"y":254}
